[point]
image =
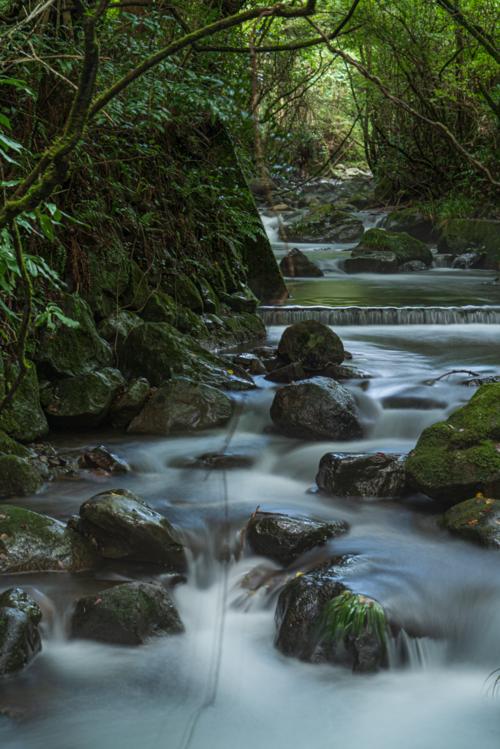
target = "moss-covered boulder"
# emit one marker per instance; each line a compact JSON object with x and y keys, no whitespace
{"x":128,"y":402}
{"x":116,"y":327}
{"x":411,"y":221}
{"x":317,"y":409}
{"x":73,"y":351}
{"x":182,"y":405}
{"x":9,"y":446}
{"x":127,"y":614}
{"x":324,"y":223}
{"x":122,"y":526}
{"x":30,"y":542}
{"x":18,"y":476}
{"x":284,"y":538}
{"x":20,"y":639}
{"x":456,"y":458}
{"x":312,"y":344}
{"x":83,"y":401}
{"x":23,"y":417}
{"x":475,"y":520}
{"x":386,"y":252}
{"x":461,"y":234}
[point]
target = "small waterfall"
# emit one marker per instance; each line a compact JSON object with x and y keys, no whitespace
{"x":382,"y":315}
{"x":415,"y":652}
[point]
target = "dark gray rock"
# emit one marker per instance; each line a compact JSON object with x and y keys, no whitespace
{"x":288,"y":373}
{"x":296,"y":264}
{"x":128,"y":402}
{"x":215,"y":461}
{"x":347,"y":475}
{"x":20,"y":638}
{"x":127,"y":614}
{"x":311,"y":343}
{"x":319,"y":408}
{"x":102,"y":459}
{"x":475,"y":520}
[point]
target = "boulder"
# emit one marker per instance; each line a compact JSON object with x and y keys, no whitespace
{"x":297,"y":264}
{"x":115,"y":328}
{"x":348,"y":475}
{"x":250,"y":362}
{"x":469,"y":260}
{"x":73,"y":351}
{"x":30,"y":542}
{"x":83,"y":401}
{"x":126,"y":614}
{"x":323,"y":223}
{"x":289,"y":373}
{"x":18,"y":476}
{"x":20,"y":639}
{"x":129,"y":402}
{"x":461,"y":234}
{"x":476,"y":520}
{"x":285,"y":538}
{"x":102,"y":459}
{"x":456,"y":458}
{"x":382,"y":251}
{"x":319,"y":619}
{"x":311,"y":343}
{"x":413,"y":222}
{"x":182,"y":405}
{"x":122,"y":526}
{"x":318,"y":408}
{"x":23,"y":417}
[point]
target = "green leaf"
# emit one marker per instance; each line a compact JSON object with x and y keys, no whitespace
{"x":46,"y":226}
{"x":12,"y":144}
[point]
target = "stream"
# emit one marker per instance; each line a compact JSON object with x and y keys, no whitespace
{"x":223,"y":684}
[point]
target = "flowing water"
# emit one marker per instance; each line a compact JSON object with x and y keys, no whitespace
{"x":223,"y":684}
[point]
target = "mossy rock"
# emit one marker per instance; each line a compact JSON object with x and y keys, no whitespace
{"x":476,"y":520}
{"x":126,"y":614}
{"x":108,"y":274}
{"x":403,"y":246}
{"x":129,"y":402}
{"x":411,"y":221}
{"x":20,"y":639}
{"x":185,"y":293}
{"x":8,"y":446}
{"x":73,"y":351}
{"x":18,"y":477}
{"x":23,"y":418}
{"x":311,"y":343}
{"x":137,"y":293}
{"x":81,"y":402}
{"x":115,"y":328}
{"x":461,"y":234}
{"x":30,"y":542}
{"x":324,"y":223}
{"x":459,"y":457}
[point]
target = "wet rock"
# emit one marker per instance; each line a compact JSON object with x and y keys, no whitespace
{"x":182,"y":405}
{"x":73,"y":351}
{"x":323,"y":223}
{"x":251,"y":362}
{"x":288,"y":373}
{"x":348,"y":475}
{"x":285,"y":538}
{"x":23,"y":418}
{"x":469,"y":260}
{"x":417,"y":402}
{"x":240,"y":301}
{"x":20,"y":638}
{"x":81,"y":402}
{"x":101,"y":459}
{"x":319,"y":619}
{"x":412,"y":266}
{"x":457,"y":458}
{"x":372,"y":262}
{"x":115,"y":328}
{"x":411,"y":221}
{"x":297,"y":264}
{"x":476,"y":520}
{"x":122,"y":526}
{"x":382,"y":251}
{"x":311,"y":343}
{"x":462,"y":234}
{"x":319,"y":408}
{"x":345,"y":372}
{"x":30,"y":542}
{"x":19,"y":477}
{"x":128,"y":614}
{"x":215,"y":461}
{"x":128,"y":402}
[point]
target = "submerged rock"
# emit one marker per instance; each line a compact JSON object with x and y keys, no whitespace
{"x":20,"y":639}
{"x":30,"y":542}
{"x":296,"y":263}
{"x":18,"y":476}
{"x":348,"y":475}
{"x":311,"y":343}
{"x":120,"y":525}
{"x":476,"y":520}
{"x":382,"y":251}
{"x":457,"y":458}
{"x":318,"y":408}
{"x":182,"y":405}
{"x":215,"y":461}
{"x":127,"y":614}
{"x":319,"y":619}
{"x":285,"y":538}
{"x":81,"y":402}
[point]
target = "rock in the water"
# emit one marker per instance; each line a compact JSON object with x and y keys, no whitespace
{"x":348,"y":475}
{"x":461,"y":234}
{"x":23,"y":417}
{"x":289,"y":373}
{"x":382,"y":251}
{"x":30,"y":542}
{"x":412,"y":266}
{"x":18,"y":476}
{"x":411,"y":221}
{"x":81,"y":402}
{"x":311,"y":343}
{"x":251,"y":362}
{"x":372,"y":262}
{"x":320,"y":620}
{"x":100,"y":458}
{"x":297,"y":264}
{"x":122,"y":526}
{"x":469,"y":260}
{"x":409,"y":401}
{"x":20,"y":639}
{"x":73,"y":351}
{"x":323,"y":223}
{"x":127,"y":614}
{"x":182,"y":405}
{"x":476,"y":520}
{"x":318,"y":408}
{"x":215,"y":461}
{"x":285,"y":538}
{"x":457,"y":458}
{"x":129,"y":402}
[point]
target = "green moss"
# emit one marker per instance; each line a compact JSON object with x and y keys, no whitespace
{"x":475,"y":519}
{"x":8,"y":446}
{"x":460,"y":234}
{"x":23,"y":418}
{"x":18,"y":477}
{"x":402,"y":245}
